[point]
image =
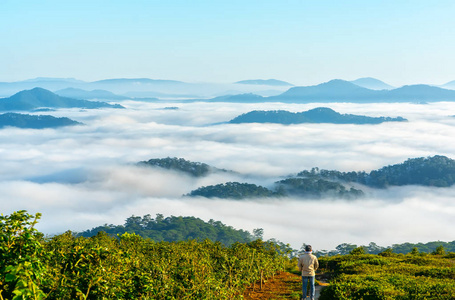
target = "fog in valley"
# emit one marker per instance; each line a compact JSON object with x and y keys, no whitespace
{"x":84,"y":176}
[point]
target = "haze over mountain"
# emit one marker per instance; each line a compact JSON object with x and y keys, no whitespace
{"x":449,"y":85}
{"x":361,"y":90}
{"x":38,"y":98}
{"x":35,"y":122}
{"x":248,"y":97}
{"x":338,"y":90}
{"x":334,"y":90}
{"x":94,"y":94}
{"x":152,"y":95}
{"x":372,"y":83}
{"x":271,"y":82}
{"x":10,"y":88}
{"x":142,"y":87}
{"x":316,"y":115}
{"x":116,"y":85}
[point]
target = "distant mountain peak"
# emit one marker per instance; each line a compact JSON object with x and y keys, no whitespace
{"x":41,"y":79}
{"x":93,"y":94}
{"x":372,"y":83}
{"x":136,"y":80}
{"x":338,"y":83}
{"x":33,"y":121}
{"x":271,"y":82}
{"x":39,"y":97}
{"x":331,"y":90}
{"x":36,"y":92}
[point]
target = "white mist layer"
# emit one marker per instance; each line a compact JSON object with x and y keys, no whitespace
{"x":84,"y":176}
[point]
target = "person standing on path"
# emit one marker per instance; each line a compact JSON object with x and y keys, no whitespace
{"x":308,"y":264}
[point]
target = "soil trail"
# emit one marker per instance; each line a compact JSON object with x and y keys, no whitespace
{"x":283,"y":286}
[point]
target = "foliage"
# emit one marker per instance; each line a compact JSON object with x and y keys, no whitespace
{"x":357,"y":251}
{"x":424,"y":247}
{"x":436,"y":171}
{"x":297,"y":187}
{"x":439,"y":250}
{"x":389,"y":277}
{"x":234,"y":190}
{"x":174,"y":229}
{"x":196,"y":169}
{"x":128,"y":267}
{"x":21,"y":257}
{"x":317,"y":187}
{"x":405,"y":248}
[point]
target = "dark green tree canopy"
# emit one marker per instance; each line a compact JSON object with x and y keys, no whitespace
{"x":172,"y":229}
{"x":196,"y":169}
{"x":436,"y":171}
{"x":233,"y":190}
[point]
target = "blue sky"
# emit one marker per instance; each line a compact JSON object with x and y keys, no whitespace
{"x":303,"y":42}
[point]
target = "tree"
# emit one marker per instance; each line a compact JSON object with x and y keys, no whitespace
{"x":387,"y":252}
{"x":159,"y":218}
{"x":373,"y":248}
{"x":345,"y":248}
{"x":358,"y":251}
{"x":439,"y":250}
{"x":258,"y":233}
{"x":21,"y":267}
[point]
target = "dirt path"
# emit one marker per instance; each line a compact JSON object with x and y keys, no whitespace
{"x":282,"y":286}
{"x":318,"y":289}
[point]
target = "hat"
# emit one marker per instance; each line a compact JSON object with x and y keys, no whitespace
{"x":308,"y":248}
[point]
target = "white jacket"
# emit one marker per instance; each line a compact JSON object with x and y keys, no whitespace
{"x":308,"y":264}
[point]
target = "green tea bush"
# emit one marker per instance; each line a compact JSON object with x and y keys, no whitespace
{"x":127,"y":267}
{"x":402,"y":277}
{"x":21,"y":257}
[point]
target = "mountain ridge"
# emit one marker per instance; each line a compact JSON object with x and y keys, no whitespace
{"x":136,"y":80}
{"x":93,"y":94}
{"x":39,"y":98}
{"x":372,"y":83}
{"x":316,"y":115}
{"x":270,"y":82}
{"x":34,"y":122}
{"x":338,"y":90}
{"x":437,"y":171}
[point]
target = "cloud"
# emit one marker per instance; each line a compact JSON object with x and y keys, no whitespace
{"x":84,"y":176}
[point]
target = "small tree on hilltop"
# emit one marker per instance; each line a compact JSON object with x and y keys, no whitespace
{"x":358,"y":251}
{"x":439,"y":250}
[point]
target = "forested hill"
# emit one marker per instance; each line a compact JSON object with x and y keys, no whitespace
{"x":173,"y":229}
{"x":404,"y":248}
{"x":311,"y":188}
{"x":35,"y":122}
{"x":436,"y":171}
{"x":316,"y":115}
{"x":234,"y":190}
{"x":196,"y":169}
{"x":38,"y":98}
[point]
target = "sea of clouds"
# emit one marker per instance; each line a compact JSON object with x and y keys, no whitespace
{"x":83,"y":176}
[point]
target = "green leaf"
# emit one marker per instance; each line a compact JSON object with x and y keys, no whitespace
{"x":10,"y":277}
